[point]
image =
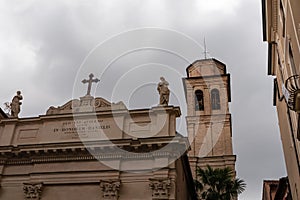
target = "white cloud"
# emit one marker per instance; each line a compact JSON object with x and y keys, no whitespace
{"x":17,"y":57}
{"x":217,"y":6}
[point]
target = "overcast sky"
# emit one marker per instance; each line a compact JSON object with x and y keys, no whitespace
{"x":48,"y":47}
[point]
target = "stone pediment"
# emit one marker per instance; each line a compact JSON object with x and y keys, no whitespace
{"x":2,"y":114}
{"x":85,"y":104}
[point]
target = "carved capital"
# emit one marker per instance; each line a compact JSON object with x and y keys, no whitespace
{"x":160,"y":188}
{"x":110,"y":189}
{"x":32,"y":191}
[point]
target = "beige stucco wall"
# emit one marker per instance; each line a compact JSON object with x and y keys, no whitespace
{"x":138,"y":150}
{"x":282,"y":19}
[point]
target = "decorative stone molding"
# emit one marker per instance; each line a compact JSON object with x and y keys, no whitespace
{"x":110,"y":189}
{"x":47,"y":153}
{"x":160,"y":188}
{"x":275,"y":8}
{"x":86,"y":103}
{"x":32,"y":191}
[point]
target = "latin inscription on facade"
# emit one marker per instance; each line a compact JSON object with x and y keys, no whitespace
{"x":82,"y":127}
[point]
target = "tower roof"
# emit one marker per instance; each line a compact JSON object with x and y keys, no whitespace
{"x":206,"y":67}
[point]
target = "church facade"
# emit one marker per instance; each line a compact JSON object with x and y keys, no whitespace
{"x":90,"y":148}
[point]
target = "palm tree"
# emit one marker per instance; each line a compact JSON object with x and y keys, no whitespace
{"x":218,"y":184}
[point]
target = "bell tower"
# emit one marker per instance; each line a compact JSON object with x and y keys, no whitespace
{"x":207,"y":92}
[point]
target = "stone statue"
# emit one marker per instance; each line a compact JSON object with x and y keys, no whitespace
{"x":16,"y":104}
{"x":163,"y":91}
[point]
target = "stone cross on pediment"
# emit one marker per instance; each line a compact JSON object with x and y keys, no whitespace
{"x":90,"y":81}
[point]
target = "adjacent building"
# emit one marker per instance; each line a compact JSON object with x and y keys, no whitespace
{"x":276,"y":189}
{"x":281,"y":29}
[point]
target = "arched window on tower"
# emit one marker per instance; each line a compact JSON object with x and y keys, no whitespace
{"x":199,"y":100}
{"x":215,"y":99}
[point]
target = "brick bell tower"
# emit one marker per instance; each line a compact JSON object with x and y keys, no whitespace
{"x":207,"y":92}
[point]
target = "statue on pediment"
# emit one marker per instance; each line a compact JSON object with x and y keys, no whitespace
{"x":15,"y":104}
{"x":163,"y":91}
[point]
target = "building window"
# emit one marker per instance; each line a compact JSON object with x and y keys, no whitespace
{"x":215,"y":99}
{"x":199,"y":100}
{"x":292,"y":61}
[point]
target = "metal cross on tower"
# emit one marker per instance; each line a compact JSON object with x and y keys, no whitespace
{"x":90,"y":81}
{"x":205,"y":50}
